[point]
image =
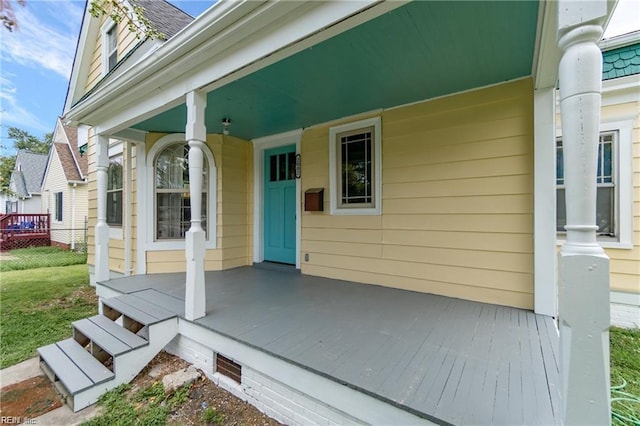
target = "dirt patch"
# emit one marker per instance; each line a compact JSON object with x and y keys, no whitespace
{"x":83,"y":295}
{"x":29,"y":398}
{"x":36,"y":396}
{"x":203,"y":394}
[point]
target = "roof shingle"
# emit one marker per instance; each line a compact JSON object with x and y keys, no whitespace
{"x":167,"y":18}
{"x":621,"y":62}
{"x":31,"y":170}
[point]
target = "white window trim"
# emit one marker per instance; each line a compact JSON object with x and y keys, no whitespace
{"x":106,"y":27}
{"x":212,"y":219}
{"x":55,"y":207}
{"x":624,"y":185}
{"x":116,"y":149}
{"x":377,"y":161}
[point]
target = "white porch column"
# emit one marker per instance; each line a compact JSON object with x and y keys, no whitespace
{"x":584,"y":267}
{"x":102,"y":229}
{"x":196,"y":133}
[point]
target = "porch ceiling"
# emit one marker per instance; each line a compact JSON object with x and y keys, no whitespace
{"x":419,"y":51}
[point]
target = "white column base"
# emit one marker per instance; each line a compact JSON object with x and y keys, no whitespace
{"x":102,"y":252}
{"x":584,"y":338}
{"x":195,"y":299}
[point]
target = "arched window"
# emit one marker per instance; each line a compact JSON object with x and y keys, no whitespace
{"x":172,"y":196}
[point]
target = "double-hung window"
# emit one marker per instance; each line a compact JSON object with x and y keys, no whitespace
{"x":58,"y":197}
{"x":355,"y":168}
{"x":172,"y":197}
{"x":606,"y":181}
{"x":109,"y":46}
{"x":114,"y":191}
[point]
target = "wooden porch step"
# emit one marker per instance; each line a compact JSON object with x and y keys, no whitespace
{"x":109,"y":336}
{"x":74,"y":367}
{"x":138,"y":309}
{"x":125,"y":336}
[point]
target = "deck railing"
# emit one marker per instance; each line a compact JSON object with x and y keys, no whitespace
{"x":21,"y":230}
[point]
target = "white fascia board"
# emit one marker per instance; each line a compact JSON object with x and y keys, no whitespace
{"x":217,"y":49}
{"x":547,"y":53}
{"x":131,"y":135}
{"x":620,"y":41}
{"x":621,"y":90}
{"x":82,"y":60}
{"x":45,"y":175}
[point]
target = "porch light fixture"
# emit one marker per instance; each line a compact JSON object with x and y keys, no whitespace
{"x":226,"y":122}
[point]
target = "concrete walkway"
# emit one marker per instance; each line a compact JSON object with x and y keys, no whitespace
{"x":60,"y":416}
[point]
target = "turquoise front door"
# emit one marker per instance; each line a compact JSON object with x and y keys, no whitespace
{"x":280,"y":205}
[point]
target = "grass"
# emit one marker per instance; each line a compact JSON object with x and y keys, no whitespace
{"x":625,"y":371}
{"x":148,"y":406}
{"x":40,"y":257}
{"x":211,"y":416}
{"x":37,"y":307}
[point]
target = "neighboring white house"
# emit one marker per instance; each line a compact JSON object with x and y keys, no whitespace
{"x":64,"y":187}
{"x":25,"y":184}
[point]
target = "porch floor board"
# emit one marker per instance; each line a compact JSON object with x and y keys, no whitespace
{"x":445,"y":359}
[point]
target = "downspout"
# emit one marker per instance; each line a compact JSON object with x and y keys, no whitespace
{"x":73,"y":216}
{"x":128,"y":211}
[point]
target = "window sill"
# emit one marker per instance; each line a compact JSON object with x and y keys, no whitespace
{"x":115,"y":233}
{"x":174,"y":245}
{"x":605,"y":242}
{"x":365,"y":211}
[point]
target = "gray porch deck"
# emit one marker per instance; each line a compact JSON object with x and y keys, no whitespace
{"x":444,"y":359}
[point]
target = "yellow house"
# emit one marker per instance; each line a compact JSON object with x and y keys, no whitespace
{"x":352,"y":206}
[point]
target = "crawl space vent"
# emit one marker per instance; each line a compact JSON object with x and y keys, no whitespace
{"x":231,"y":369}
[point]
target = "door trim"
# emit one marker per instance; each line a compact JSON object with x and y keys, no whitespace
{"x":259,"y":147}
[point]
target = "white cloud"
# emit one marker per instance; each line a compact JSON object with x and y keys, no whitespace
{"x":44,"y":41}
{"x":625,"y":19}
{"x":11,"y":113}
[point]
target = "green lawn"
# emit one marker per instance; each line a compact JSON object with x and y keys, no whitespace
{"x":37,"y":307}
{"x":40,"y":257}
{"x":625,"y":367}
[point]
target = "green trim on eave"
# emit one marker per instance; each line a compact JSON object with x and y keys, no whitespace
{"x":419,"y":51}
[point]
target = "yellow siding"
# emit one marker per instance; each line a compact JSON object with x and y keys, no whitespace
{"x":234,"y":163}
{"x":116,"y":245}
{"x":624,"y":263}
{"x":126,"y":41}
{"x":457,"y":210}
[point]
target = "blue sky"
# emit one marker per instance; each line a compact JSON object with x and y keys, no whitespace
{"x":36,"y":60}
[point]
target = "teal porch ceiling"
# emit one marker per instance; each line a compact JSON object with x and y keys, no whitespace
{"x":419,"y":51}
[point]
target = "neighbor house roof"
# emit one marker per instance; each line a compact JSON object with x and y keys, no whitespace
{"x":81,"y":161}
{"x":621,"y":62}
{"x":65,"y":145}
{"x":28,"y":172}
{"x":66,"y":160}
{"x":18,"y":183}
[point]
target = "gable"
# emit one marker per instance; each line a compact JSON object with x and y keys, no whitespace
{"x":88,"y":68}
{"x":55,"y":179}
